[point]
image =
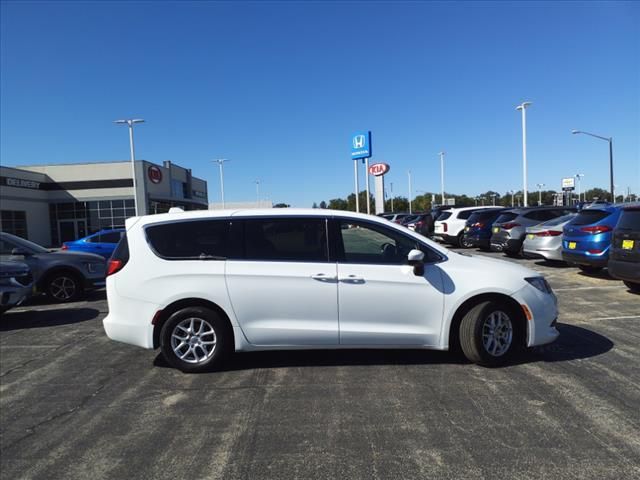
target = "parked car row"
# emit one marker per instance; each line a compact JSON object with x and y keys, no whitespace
{"x":599,"y":235}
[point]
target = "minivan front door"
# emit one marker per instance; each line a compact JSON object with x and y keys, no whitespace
{"x":381,"y":300}
{"x":282,"y":287}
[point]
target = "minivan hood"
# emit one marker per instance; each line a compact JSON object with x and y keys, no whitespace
{"x":494,"y":267}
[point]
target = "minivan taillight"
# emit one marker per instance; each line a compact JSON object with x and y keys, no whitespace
{"x":114,"y":266}
{"x":597,"y":229}
{"x":510,"y":225}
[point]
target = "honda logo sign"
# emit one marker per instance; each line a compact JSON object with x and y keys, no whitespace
{"x":361,"y":145}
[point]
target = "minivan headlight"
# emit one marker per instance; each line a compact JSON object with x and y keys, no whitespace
{"x":540,"y":283}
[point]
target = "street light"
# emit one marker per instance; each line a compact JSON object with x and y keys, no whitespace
{"x":220,"y":162}
{"x":442,"y":176}
{"x":409,"y":174}
{"x":131,"y":122}
{"x":579,"y":177}
{"x":512,"y":192}
{"x":540,"y":185}
{"x":257,"y":182}
{"x":523,"y":108}
{"x":391,"y":185}
{"x":493,"y":195}
{"x":610,"y":140}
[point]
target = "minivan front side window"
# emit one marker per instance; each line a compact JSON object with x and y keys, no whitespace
{"x":369,"y":244}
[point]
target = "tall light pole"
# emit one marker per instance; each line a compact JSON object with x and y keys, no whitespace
{"x":131,"y":122}
{"x":442,"y":177}
{"x":579,"y":177}
{"x":493,"y":195}
{"x":410,"y":190}
{"x":610,"y":140}
{"x":523,"y":108}
{"x":257,"y":182}
{"x":220,"y":162}
{"x":391,"y":185}
{"x":539,"y":185}
{"x":512,"y":192}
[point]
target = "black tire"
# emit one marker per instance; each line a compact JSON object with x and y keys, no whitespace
{"x":195,"y":347}
{"x":634,"y":287}
{"x":63,"y":287}
{"x":464,"y":242}
{"x":504,"y":343}
{"x":589,"y":268}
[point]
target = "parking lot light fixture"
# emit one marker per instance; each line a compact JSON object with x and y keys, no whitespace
{"x":220,"y":162}
{"x":539,"y":185}
{"x":523,"y":108}
{"x":131,"y":122}
{"x":442,"y":177}
{"x":410,"y":190}
{"x":579,"y":177}
{"x":610,"y":140}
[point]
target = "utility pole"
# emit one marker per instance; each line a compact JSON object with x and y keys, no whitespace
{"x":442,"y":177}
{"x":410,"y":189}
{"x":391,"y":185}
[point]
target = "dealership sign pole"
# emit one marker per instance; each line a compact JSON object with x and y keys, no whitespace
{"x":378,"y":170}
{"x":361,"y":149}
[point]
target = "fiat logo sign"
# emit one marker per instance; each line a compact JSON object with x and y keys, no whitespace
{"x":378,"y":169}
{"x":155,"y":174}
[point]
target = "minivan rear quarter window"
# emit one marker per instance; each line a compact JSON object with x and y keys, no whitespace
{"x":193,"y":240}
{"x":286,"y":239}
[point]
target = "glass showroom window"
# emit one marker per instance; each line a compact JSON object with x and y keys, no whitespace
{"x":14,"y":222}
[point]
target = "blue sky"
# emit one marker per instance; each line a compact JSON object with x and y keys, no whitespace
{"x":278,"y":87}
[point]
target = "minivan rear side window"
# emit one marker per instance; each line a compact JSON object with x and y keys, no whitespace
{"x":587,"y":217}
{"x":286,"y":239}
{"x":190,"y":240}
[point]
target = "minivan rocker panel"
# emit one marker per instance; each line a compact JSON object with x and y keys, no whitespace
{"x":358,"y":283}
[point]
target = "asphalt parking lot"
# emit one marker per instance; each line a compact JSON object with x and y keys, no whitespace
{"x":76,"y":405}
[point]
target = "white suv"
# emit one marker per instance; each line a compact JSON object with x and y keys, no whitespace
{"x":449,"y":226}
{"x":201,"y":284}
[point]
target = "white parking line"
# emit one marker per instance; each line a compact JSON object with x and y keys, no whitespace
{"x":570,"y":289}
{"x":617,"y":318}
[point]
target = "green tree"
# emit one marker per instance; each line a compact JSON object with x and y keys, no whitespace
{"x":323,"y":204}
{"x":338,"y":204}
{"x":281,"y":205}
{"x":315,"y":205}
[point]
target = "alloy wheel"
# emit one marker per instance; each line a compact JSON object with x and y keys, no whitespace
{"x":63,"y":288}
{"x":193,"y":340}
{"x":497,"y":333}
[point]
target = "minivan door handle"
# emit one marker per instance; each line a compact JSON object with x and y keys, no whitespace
{"x":323,"y":277}
{"x":352,"y":279}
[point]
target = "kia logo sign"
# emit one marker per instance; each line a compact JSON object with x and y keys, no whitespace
{"x":378,"y":169}
{"x":155,"y":174}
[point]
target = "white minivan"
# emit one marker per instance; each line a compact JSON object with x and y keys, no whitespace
{"x":201,"y":284}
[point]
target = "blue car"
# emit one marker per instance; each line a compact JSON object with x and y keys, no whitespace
{"x":587,"y":238}
{"x":102,"y":243}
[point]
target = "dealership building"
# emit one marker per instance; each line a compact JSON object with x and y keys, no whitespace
{"x":51,"y":204}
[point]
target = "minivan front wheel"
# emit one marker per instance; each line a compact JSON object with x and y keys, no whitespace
{"x":194,"y":339}
{"x":488,"y":334}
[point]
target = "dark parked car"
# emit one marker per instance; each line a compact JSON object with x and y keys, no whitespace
{"x":421,"y":223}
{"x":624,"y":258}
{"x":586,"y":240}
{"x":477,"y":230}
{"x":509,"y":230}
{"x":15,"y":284}
{"x":63,"y":276}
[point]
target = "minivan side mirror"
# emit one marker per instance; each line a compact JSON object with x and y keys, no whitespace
{"x":416,"y":259}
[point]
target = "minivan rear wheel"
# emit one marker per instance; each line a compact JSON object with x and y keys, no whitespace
{"x":195,"y":339}
{"x":489,"y":334}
